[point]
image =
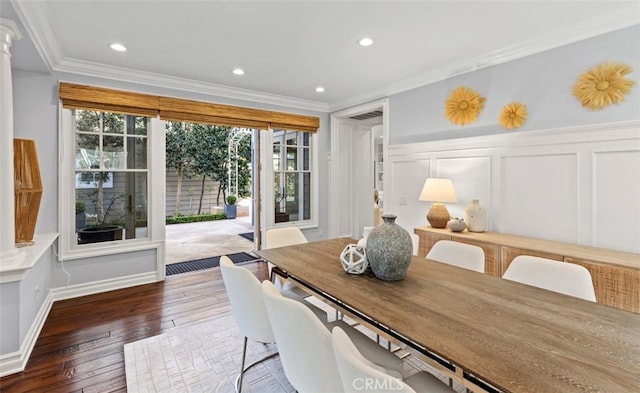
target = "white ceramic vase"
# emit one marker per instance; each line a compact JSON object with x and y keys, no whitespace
{"x":476,"y":217}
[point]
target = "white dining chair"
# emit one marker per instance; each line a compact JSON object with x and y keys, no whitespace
{"x":458,"y":254}
{"x":562,"y":277}
{"x":282,"y":237}
{"x":286,"y":236}
{"x":305,"y":345}
{"x":245,"y":296}
{"x":358,"y":374}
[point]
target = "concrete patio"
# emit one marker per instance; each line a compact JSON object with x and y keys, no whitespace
{"x":186,"y":242}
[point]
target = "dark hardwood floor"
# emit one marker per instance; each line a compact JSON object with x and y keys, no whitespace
{"x":81,"y":346}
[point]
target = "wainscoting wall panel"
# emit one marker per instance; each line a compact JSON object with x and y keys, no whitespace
{"x":616,"y":198}
{"x":407,"y":178}
{"x":577,"y":184}
{"x":471,"y":177}
{"x":539,"y":196}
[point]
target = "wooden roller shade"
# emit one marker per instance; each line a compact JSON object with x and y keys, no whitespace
{"x":176,"y":109}
{"x":187,"y":110}
{"x":101,"y":99}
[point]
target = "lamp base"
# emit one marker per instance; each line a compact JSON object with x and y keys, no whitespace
{"x":438,"y":215}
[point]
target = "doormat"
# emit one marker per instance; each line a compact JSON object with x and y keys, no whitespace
{"x":207,"y":263}
{"x":248,"y":235}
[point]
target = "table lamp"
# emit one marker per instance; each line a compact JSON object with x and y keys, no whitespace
{"x":438,"y":191}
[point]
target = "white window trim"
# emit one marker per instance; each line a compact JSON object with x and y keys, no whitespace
{"x":66,"y":195}
{"x":268,"y":178}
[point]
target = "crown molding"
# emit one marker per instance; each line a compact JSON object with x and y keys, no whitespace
{"x":36,"y":19}
{"x":81,"y":67}
{"x":615,"y":20}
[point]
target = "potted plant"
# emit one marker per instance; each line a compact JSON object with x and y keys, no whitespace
{"x":106,"y":227}
{"x":230,"y":208}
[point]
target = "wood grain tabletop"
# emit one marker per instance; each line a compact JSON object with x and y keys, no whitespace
{"x":516,"y":337}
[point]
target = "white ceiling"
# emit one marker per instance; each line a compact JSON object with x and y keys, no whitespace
{"x":287,"y":48}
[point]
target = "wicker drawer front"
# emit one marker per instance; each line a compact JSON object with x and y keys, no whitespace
{"x":508,"y":253}
{"x":491,"y":256}
{"x":614,"y":285}
{"x":427,"y":240}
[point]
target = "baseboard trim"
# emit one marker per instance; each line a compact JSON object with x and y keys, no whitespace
{"x":16,"y":362}
{"x":111,"y":284}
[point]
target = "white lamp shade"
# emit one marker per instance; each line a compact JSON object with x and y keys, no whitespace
{"x":438,"y":190}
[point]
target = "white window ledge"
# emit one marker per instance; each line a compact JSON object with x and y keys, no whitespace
{"x":15,"y":267}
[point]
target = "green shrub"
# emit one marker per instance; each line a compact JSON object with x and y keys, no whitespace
{"x":231,"y":200}
{"x":80,"y":207}
{"x":200,"y":218}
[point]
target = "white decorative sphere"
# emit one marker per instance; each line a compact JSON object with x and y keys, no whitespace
{"x":354,"y":259}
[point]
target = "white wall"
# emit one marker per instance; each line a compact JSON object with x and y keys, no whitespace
{"x":576,"y":184}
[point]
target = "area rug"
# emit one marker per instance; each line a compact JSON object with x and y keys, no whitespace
{"x":248,"y":235}
{"x":203,"y":357}
{"x":206,"y":263}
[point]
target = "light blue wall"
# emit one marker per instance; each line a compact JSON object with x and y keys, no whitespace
{"x":543,"y":82}
{"x":36,"y":117}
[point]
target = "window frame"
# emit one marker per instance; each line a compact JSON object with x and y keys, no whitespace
{"x":268,"y":209}
{"x":69,"y":249}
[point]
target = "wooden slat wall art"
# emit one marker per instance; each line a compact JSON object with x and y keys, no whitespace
{"x":28,"y":189}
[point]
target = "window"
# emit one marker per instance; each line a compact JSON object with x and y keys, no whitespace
{"x":105,"y":192}
{"x":111,"y":176}
{"x":293,"y":177}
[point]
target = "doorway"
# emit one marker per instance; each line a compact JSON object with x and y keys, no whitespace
{"x":206,"y":165}
{"x":359,"y":137}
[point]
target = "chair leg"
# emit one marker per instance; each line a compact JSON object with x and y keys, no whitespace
{"x":244,"y":355}
{"x":238,"y":384}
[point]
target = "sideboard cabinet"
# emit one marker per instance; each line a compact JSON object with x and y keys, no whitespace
{"x":615,"y":274}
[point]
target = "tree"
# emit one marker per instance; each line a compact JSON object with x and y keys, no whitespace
{"x":201,"y":150}
{"x":244,"y":167}
{"x":210,"y":156}
{"x":179,"y":143}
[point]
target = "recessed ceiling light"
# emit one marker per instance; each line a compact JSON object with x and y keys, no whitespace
{"x":238,"y":71}
{"x":319,"y":89}
{"x":365,"y":41}
{"x":118,"y":47}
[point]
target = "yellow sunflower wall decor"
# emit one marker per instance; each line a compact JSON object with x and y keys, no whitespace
{"x":603,"y":85}
{"x":513,"y":115}
{"x":463,"y":106}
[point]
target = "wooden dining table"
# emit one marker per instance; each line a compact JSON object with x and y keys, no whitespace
{"x":495,"y":334}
